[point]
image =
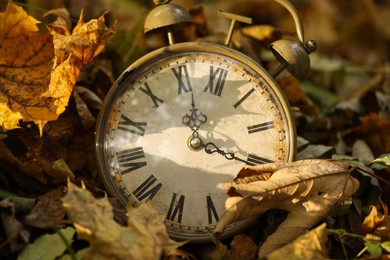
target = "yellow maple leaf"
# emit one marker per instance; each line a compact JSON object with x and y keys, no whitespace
{"x":38,"y":71}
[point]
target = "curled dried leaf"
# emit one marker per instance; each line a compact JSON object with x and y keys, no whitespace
{"x":378,"y":222}
{"x":307,"y":189}
{"x":145,"y":237}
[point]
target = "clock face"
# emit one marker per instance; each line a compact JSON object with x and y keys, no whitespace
{"x":168,"y":100}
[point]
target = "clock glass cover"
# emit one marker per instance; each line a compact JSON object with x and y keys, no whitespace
{"x":178,"y":124}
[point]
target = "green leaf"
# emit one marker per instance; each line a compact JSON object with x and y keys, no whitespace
{"x":314,"y":151}
{"x":320,"y":95}
{"x":49,"y":246}
{"x":386,"y":246}
{"x":374,"y":248}
{"x":382,"y":162}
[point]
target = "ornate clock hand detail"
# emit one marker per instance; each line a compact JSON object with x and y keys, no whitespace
{"x":196,"y":119}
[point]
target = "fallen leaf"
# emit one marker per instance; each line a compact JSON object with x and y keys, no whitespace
{"x":17,"y":235}
{"x":90,"y":98}
{"x":25,"y":62}
{"x":86,"y":118}
{"x":382,"y":162}
{"x":48,"y":212}
{"x":314,"y":151}
{"x":265,"y":34}
{"x":374,"y":131}
{"x":58,"y":20}
{"x":307,"y":189}
{"x":8,"y":119}
{"x":377,"y":222}
{"x":60,"y":170}
{"x":362,"y":152}
{"x":145,"y":237}
{"x":311,"y":245}
{"x":242,"y":248}
{"x":38,"y":71}
{"x":295,"y":95}
{"x":49,"y":246}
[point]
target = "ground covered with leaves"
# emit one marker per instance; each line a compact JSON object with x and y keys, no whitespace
{"x":57,"y":64}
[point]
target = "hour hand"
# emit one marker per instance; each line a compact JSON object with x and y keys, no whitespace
{"x":195,"y":119}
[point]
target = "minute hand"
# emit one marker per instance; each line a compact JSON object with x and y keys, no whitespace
{"x":211,"y":148}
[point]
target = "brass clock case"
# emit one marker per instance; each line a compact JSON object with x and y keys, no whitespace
{"x":138,"y":71}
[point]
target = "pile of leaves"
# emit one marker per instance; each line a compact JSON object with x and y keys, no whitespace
{"x":55,"y":70}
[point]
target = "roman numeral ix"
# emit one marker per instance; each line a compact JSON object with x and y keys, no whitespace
{"x":128,"y":159}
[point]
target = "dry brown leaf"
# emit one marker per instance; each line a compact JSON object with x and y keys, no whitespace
{"x":48,"y":212}
{"x":242,"y":248}
{"x":17,"y":235}
{"x":296,"y":97}
{"x":58,"y":20}
{"x":38,"y":71}
{"x":378,"y":223}
{"x":311,"y":245}
{"x":265,"y":34}
{"x":374,"y":130}
{"x":307,"y":189}
{"x":145,"y":237}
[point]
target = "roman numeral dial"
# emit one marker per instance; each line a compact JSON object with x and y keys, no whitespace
{"x":160,"y":104}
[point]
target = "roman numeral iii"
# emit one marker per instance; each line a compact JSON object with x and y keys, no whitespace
{"x":216,"y":81}
{"x":260,"y":127}
{"x":130,"y":159}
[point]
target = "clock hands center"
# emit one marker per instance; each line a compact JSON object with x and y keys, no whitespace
{"x":194,"y":121}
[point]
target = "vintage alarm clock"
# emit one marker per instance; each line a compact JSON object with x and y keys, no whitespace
{"x":187,"y":117}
